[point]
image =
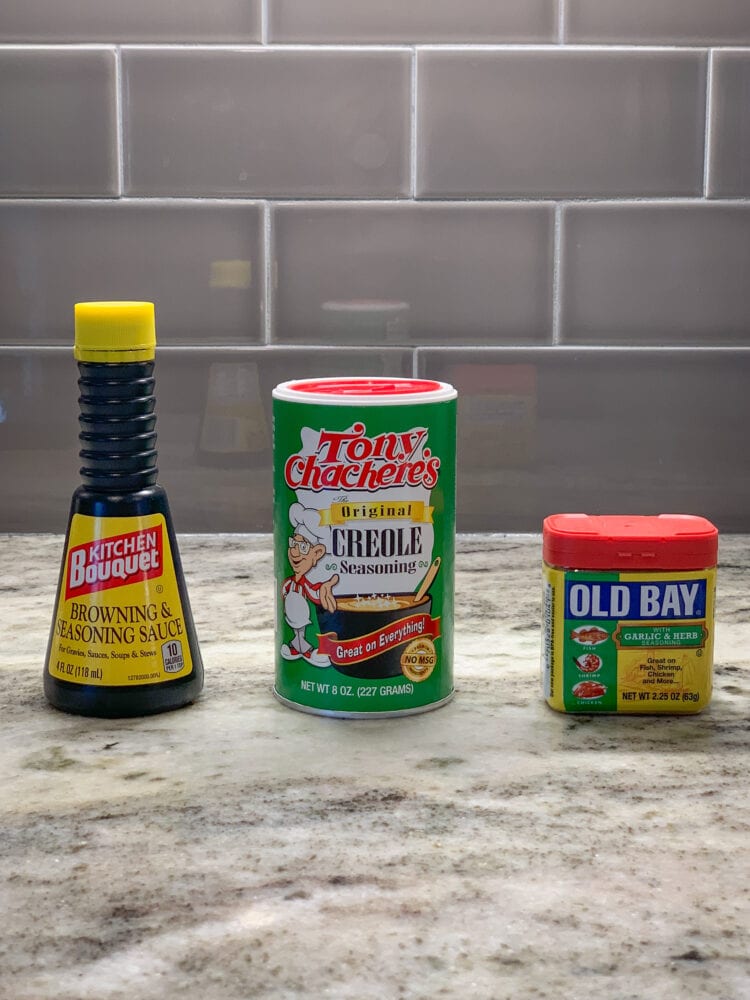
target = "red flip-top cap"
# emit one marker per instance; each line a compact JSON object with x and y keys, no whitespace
{"x":659,"y":541}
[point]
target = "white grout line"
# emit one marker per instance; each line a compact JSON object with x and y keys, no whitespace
{"x":55,"y":46}
{"x":268,"y":290}
{"x":264,"y":22}
{"x":407,"y":204}
{"x":415,"y":363}
{"x":708,"y":132}
{"x":414,"y":124}
{"x":473,"y":201}
{"x":556,"y":262}
{"x":119,"y":124}
{"x":552,"y":350}
{"x":561,"y":21}
{"x":468,"y":47}
{"x":494,"y":349}
{"x":263,"y":46}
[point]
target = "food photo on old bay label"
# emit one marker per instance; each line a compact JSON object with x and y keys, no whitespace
{"x":364,"y":538}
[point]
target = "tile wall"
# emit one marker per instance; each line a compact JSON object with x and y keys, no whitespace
{"x":546,"y":202}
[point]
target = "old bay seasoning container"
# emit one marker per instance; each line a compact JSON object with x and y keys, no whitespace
{"x":628,"y":609}
{"x":364,"y":527}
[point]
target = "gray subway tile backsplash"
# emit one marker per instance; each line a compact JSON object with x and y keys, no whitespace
{"x":312,"y":123}
{"x":540,"y":430}
{"x":729,"y":169}
{"x":656,"y":274}
{"x":546,"y":202}
{"x":213,"y":424}
{"x":416,"y":21}
{"x":560,"y":123}
{"x":569,"y":430}
{"x":697,"y":22}
{"x":412,"y":274}
{"x":130,"y":21}
{"x":201,"y":263}
{"x":58,"y":127}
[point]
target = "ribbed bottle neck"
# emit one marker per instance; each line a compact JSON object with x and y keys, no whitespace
{"x":118,"y":426}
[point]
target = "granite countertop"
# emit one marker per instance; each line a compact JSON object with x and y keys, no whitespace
{"x":489,"y":849}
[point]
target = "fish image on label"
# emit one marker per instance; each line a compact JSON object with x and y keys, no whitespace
{"x":122,"y":641}
{"x":364,"y":536}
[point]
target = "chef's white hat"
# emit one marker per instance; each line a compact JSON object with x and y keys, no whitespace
{"x":306,"y":522}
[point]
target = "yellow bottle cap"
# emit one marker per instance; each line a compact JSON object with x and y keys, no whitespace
{"x":114,"y":332}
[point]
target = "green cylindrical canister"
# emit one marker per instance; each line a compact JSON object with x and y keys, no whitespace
{"x":364,"y":538}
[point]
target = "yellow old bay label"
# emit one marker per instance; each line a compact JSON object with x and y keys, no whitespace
{"x":628,"y":642}
{"x":119,"y":618}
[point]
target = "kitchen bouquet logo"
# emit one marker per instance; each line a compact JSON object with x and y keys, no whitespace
{"x":350,"y":460}
{"x":114,"y":562}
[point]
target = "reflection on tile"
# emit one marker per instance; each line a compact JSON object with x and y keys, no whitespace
{"x":413,"y":273}
{"x":214,"y":421}
{"x":38,"y":438}
{"x":416,"y":21}
{"x":560,"y":123}
{"x":268,"y":122}
{"x":656,"y":274}
{"x":201,"y":264}
{"x":498,"y":412}
{"x":560,"y":429}
{"x":729,"y":170}
{"x":57,"y":122}
{"x":678,"y":21}
{"x":133,"y":21}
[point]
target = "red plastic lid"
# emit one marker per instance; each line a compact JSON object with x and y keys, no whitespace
{"x":366,"y":386}
{"x":659,"y":541}
{"x":365,"y":391}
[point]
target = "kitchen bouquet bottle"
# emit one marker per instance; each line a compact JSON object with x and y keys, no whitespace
{"x":123,"y":641}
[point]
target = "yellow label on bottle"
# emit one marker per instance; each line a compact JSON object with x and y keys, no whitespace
{"x":119,"y":618}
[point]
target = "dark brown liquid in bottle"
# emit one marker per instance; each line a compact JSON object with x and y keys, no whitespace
{"x":118,"y":450}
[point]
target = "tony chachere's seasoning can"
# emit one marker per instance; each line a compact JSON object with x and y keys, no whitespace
{"x":364,"y":529}
{"x":628,"y":613}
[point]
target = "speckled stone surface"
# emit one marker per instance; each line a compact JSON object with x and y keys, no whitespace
{"x":490,"y":849}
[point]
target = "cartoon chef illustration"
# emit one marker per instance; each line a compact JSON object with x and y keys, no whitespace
{"x":306,"y":549}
